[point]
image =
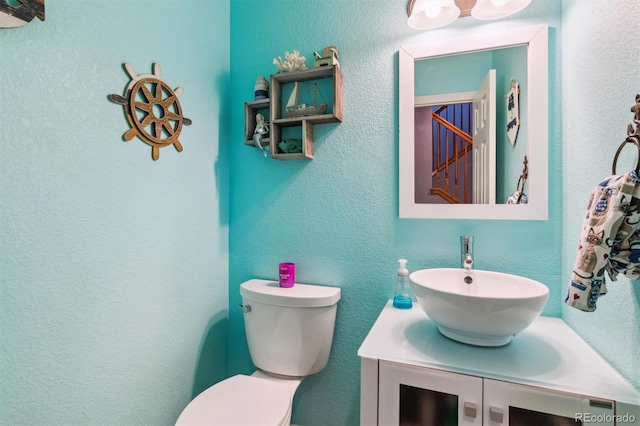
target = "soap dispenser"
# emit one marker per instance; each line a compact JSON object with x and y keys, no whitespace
{"x":403,"y":297}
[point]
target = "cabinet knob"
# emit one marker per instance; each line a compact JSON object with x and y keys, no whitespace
{"x":470,"y":410}
{"x":496,"y":414}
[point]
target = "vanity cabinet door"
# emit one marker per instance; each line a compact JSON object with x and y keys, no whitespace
{"x":513,"y":404}
{"x":424,"y":396}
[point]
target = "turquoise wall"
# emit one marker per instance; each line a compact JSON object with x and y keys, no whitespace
{"x":113,"y":267}
{"x":600,"y":82}
{"x":510,"y":64}
{"x":451,"y":74}
{"x":336,"y":216}
{"x":117,"y":300}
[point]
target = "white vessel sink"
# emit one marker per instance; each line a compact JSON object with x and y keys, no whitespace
{"x":487,"y":311}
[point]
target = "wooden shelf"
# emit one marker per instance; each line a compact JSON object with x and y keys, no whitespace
{"x":313,"y":119}
{"x":250,"y":110}
{"x":306,"y":123}
{"x":307,"y":143}
{"x":308,"y":74}
{"x":272,"y":110}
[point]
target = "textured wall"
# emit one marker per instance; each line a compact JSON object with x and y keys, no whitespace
{"x":600,"y":81}
{"x":510,"y":63}
{"x":336,"y":216}
{"x":113,"y":267}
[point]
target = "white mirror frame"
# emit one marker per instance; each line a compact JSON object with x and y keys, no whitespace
{"x":536,"y":40}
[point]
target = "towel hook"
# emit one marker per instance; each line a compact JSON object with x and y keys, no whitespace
{"x":634,"y":139}
{"x":633,"y":136}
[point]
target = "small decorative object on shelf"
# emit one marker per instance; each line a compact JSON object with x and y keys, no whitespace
{"x":290,"y":146}
{"x":257,"y":143}
{"x":251,"y":111}
{"x":261,"y":88}
{"x":292,"y":62}
{"x":329,"y":57}
{"x":262,"y":128}
{"x":296,"y":109}
{"x":21,"y":13}
{"x":152,"y":110}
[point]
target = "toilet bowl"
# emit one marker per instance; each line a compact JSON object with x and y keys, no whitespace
{"x":243,"y":401}
{"x":289,"y":334}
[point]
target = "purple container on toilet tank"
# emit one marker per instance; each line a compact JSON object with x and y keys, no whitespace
{"x":286,"y":274}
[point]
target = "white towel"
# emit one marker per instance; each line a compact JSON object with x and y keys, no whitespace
{"x":609,"y":240}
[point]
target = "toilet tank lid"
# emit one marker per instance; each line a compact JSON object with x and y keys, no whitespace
{"x":298,"y":296}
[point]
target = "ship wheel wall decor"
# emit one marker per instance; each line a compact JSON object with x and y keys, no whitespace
{"x":20,"y":13}
{"x":152,"y":110}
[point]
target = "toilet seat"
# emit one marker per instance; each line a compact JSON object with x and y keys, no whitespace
{"x":240,"y":400}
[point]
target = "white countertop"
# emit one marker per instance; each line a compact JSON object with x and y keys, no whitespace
{"x":548,"y":354}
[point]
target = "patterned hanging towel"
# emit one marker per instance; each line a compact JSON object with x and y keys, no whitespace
{"x":609,"y":240}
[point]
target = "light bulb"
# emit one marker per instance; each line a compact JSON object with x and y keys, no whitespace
{"x":499,"y":3}
{"x":432,"y":10}
{"x":430,"y":14}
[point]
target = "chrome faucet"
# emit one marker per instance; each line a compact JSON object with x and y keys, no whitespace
{"x":467,"y":252}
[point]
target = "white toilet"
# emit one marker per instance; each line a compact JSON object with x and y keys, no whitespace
{"x":289,"y":333}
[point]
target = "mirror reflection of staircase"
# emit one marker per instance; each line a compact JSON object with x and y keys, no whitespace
{"x":452,"y":164}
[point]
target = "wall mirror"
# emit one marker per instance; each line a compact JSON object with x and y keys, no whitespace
{"x":475,"y":75}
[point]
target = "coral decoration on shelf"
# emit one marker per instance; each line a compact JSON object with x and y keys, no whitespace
{"x":292,"y":62}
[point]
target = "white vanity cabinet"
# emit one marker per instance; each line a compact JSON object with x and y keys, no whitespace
{"x":424,"y":396}
{"x":547,"y":375}
{"x":410,"y":395}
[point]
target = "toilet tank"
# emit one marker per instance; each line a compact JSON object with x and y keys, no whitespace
{"x":289,"y":330}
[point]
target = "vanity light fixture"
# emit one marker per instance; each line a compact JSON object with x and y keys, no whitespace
{"x":496,"y":9}
{"x":431,"y":14}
